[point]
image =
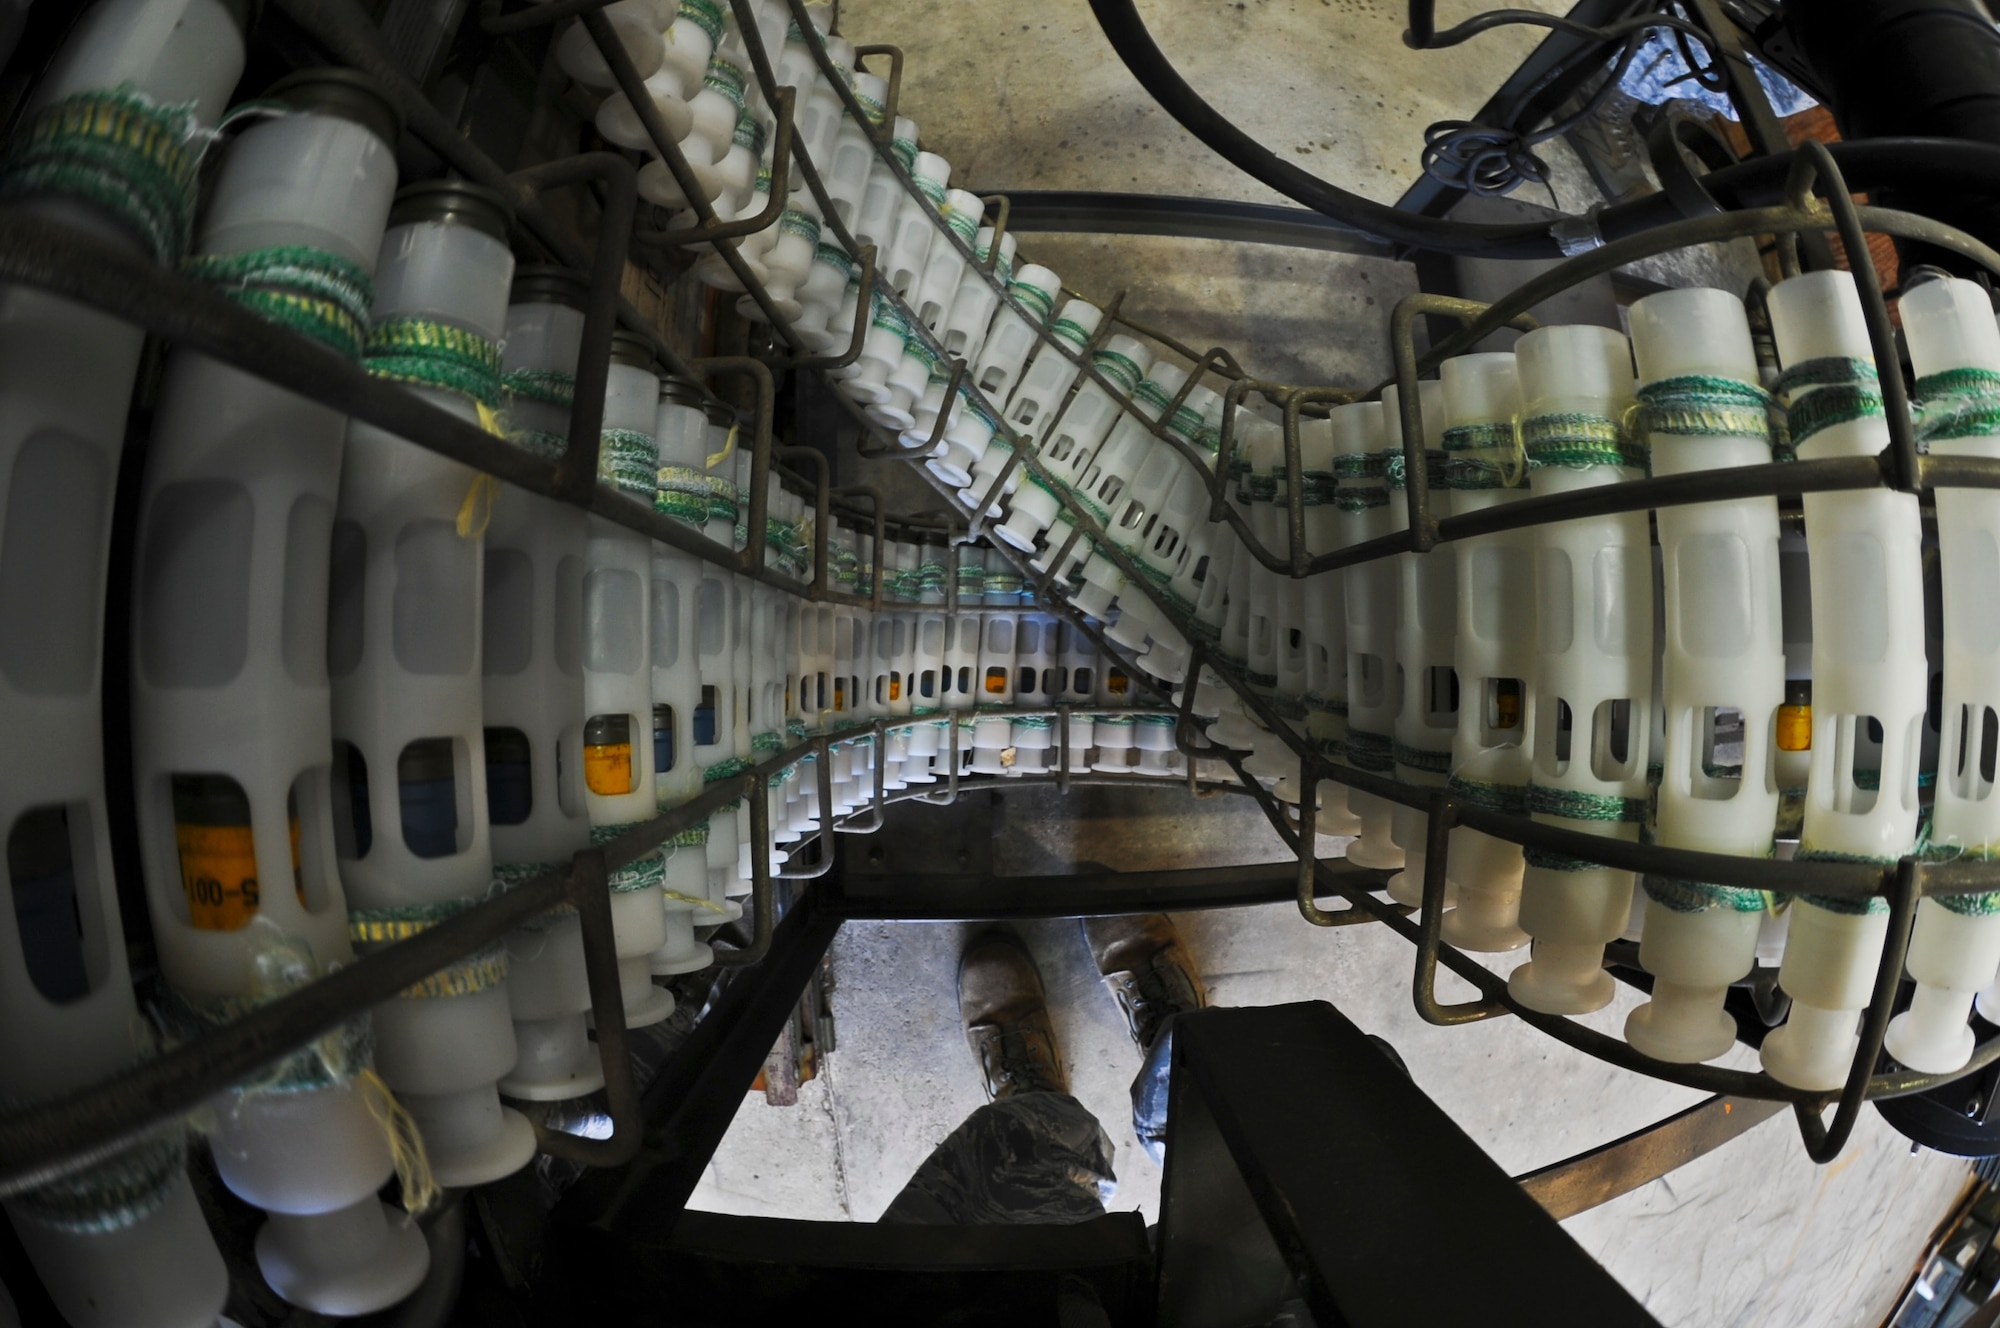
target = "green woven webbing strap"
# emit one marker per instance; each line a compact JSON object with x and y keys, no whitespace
{"x":647,"y":872}
{"x":726,"y":77}
{"x":1374,"y":752}
{"x":1395,"y":468}
{"x":1561,"y":862}
{"x":116,"y":149}
{"x":682,"y":494}
{"x":1421,"y":759}
{"x":629,"y":460}
{"x":1505,"y":469}
{"x":551,"y":387}
{"x":1353,"y":498}
{"x":117,"y":1193}
{"x":1958,"y":403}
{"x":1037,"y":303}
{"x":1574,"y":805}
{"x":1359,"y":466}
{"x":1702,"y":896}
{"x":1578,"y":440}
{"x":1508,"y":799}
{"x":425,"y":353}
{"x":1704,"y":406}
{"x":1819,"y":394}
{"x":704,"y":14}
{"x":311,"y":291}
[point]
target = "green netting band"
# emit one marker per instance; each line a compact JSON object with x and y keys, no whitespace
{"x":1350,"y":499}
{"x":1508,"y":799}
{"x":116,"y":149}
{"x":704,"y":15}
{"x":1574,"y":805}
{"x":1958,"y":403}
{"x":1373,"y":752}
{"x":551,"y":387}
{"x":1703,"y":406}
{"x":1578,"y":440}
{"x":116,"y":1194}
{"x":682,"y":493}
{"x":647,"y":872}
{"x":311,"y":291}
{"x":1820,"y":394}
{"x":425,"y":353}
{"x":1702,"y":896}
{"x":1422,"y":760}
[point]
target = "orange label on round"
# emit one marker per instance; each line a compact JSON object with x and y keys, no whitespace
{"x":607,"y":769}
{"x":219,"y":874}
{"x":1795,"y":728}
{"x":996,"y":681}
{"x":895,"y":689}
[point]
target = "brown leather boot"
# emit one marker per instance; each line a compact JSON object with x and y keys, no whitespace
{"x":1147,"y":970}
{"x":1006,"y":1018}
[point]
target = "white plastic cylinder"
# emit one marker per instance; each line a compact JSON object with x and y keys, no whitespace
{"x":403,"y":650}
{"x":1493,"y":653}
{"x":1014,"y":333}
{"x":1955,"y":945}
{"x":944,"y":268}
{"x":259,"y":721}
{"x":1868,"y":665}
{"x":1050,"y":372}
{"x":1426,"y":632}
{"x":908,"y":250}
{"x":637,"y":26}
{"x":881,"y":202}
{"x":1370,"y":594}
{"x":533,"y":711}
{"x":853,"y":161}
{"x":1594,"y":669}
{"x":971,"y":314}
{"x":1723,"y":652}
{"x":620,"y":784}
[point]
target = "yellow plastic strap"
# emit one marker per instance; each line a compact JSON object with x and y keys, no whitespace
{"x":728,"y":446}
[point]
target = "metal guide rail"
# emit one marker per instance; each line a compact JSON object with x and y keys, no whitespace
{"x":53,"y":1138}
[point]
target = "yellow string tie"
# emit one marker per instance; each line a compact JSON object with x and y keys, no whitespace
{"x":728,"y":446}
{"x":406,"y":1143}
{"x":475,"y":514}
{"x":1518,"y":454}
{"x":702,"y":900}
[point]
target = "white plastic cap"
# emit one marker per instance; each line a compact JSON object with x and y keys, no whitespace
{"x":1481,"y":388}
{"x":1357,"y":428}
{"x":1816,"y":316}
{"x":1949,"y":325}
{"x":1698,"y":331}
{"x":1573,"y":362}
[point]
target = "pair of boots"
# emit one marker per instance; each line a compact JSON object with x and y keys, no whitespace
{"x":1001,"y":1002}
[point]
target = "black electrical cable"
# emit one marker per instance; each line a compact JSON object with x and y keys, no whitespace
{"x":1422,"y":33}
{"x":1883,"y":163}
{"x":1129,"y":37}
{"x":1491,"y":160}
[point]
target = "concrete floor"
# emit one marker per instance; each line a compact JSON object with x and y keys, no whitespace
{"x":1752,"y":1236}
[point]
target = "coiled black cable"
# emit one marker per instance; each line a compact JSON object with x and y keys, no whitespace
{"x":1134,"y":44}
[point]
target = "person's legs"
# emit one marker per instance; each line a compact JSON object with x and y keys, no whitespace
{"x":1153,"y":978}
{"x":1033,"y":1154}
